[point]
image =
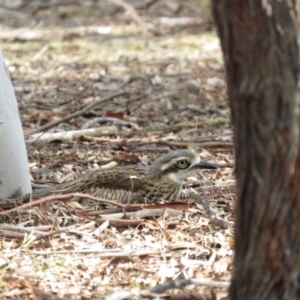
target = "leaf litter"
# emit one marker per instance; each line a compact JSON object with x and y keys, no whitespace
{"x":172,"y":94}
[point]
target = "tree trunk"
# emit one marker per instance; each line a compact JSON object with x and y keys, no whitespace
{"x":14,"y":175}
{"x":261,"y":50}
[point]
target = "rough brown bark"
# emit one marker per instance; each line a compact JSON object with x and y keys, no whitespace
{"x":260,"y":45}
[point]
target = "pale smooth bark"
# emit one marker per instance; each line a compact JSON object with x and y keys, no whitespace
{"x":14,"y":174}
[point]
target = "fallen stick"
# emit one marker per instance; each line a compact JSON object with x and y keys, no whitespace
{"x":68,"y":136}
{"x":211,"y":214}
{"x":65,"y":197}
{"x":80,"y":112}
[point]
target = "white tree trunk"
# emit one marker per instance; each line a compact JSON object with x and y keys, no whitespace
{"x":14,"y":174}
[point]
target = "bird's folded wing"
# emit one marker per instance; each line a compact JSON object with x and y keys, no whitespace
{"x":129,"y":180}
{"x":121,"y":179}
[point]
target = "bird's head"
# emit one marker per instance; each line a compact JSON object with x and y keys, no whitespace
{"x":179,"y":165}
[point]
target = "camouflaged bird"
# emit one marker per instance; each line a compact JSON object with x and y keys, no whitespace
{"x":162,"y":179}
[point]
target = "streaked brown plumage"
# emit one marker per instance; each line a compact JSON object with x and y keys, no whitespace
{"x":163,"y":179}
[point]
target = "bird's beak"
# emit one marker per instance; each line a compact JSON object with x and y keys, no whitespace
{"x":206,"y":165}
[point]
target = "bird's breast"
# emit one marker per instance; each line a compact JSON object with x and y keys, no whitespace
{"x":161,"y":189}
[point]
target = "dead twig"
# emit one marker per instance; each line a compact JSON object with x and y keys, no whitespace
{"x":100,"y":252}
{"x":129,"y":223}
{"x":173,"y":284}
{"x":121,"y":223}
{"x":106,"y":119}
{"x":68,"y":136}
{"x":210,"y":145}
{"x":21,"y":231}
{"x":65,"y":197}
{"x":211,"y":283}
{"x":212,"y":215}
{"x":119,"y":252}
{"x":81,"y":112}
{"x":162,"y":288}
{"x":181,"y":283}
{"x":225,"y":164}
{"x":144,"y":214}
{"x":27,"y":35}
{"x":133,"y":13}
{"x":145,"y":141}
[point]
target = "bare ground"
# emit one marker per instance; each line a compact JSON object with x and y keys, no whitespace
{"x":165,"y":63}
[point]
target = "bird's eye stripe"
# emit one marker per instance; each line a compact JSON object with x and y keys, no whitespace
{"x":173,"y":165}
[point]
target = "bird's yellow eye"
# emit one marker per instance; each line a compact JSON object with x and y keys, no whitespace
{"x":182,"y":163}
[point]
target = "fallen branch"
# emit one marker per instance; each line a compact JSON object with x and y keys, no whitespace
{"x":65,"y":197}
{"x":68,"y":136}
{"x":129,"y":223}
{"x":211,"y":145}
{"x":119,"y":252}
{"x":121,"y":223}
{"x":100,"y":252}
{"x":81,"y":112}
{"x":143,"y":214}
{"x":212,"y":215}
{"x":20,"y":232}
{"x":151,"y":141}
{"x":116,"y":121}
{"x":24,"y":34}
{"x":133,"y":13}
{"x":181,"y":283}
{"x":162,"y":288}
